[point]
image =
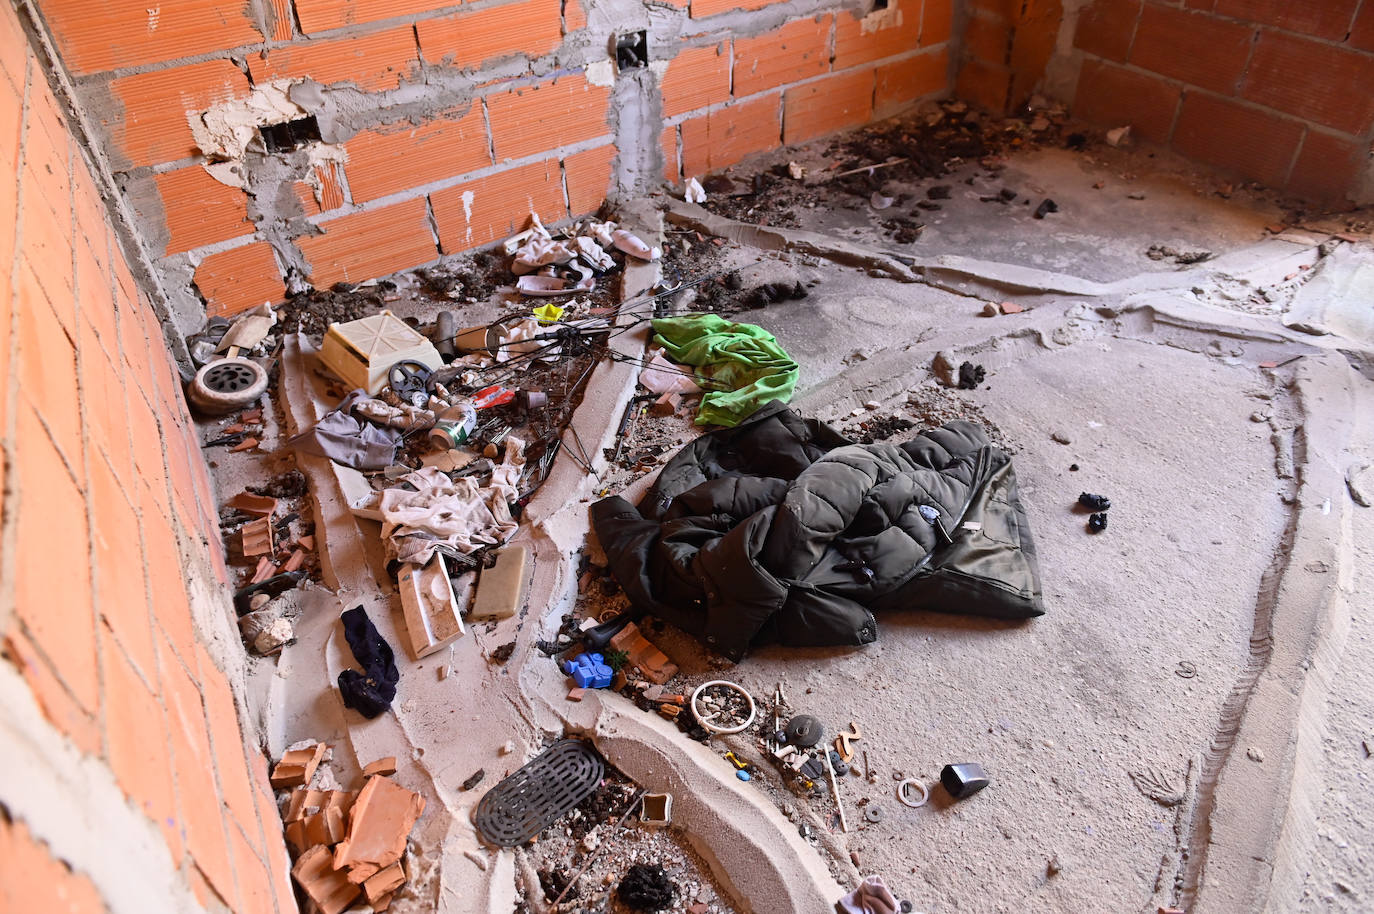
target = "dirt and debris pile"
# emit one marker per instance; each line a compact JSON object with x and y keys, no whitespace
{"x":646,"y":887}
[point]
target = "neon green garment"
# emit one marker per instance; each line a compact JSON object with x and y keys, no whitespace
{"x":741,"y":365}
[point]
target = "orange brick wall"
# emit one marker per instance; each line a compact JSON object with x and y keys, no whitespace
{"x":514,"y":92}
{"x":107,"y":515}
{"x":1276,"y":92}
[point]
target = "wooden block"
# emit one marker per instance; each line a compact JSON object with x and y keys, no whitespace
{"x":384,"y":882}
{"x":431,"y":607}
{"x":329,"y":889}
{"x":256,"y":505}
{"x":382,"y":818}
{"x":501,"y":589}
{"x":381,"y":766}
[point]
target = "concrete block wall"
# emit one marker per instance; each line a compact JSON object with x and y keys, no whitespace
{"x":442,"y":124}
{"x":127,"y":783}
{"x":1275,"y":91}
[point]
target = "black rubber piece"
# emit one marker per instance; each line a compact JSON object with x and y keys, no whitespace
{"x":1097,"y":522}
{"x":964,"y":779}
{"x":804,"y":731}
{"x":598,"y":636}
{"x":539,"y":794}
{"x":409,"y":380}
{"x":1095,"y":502}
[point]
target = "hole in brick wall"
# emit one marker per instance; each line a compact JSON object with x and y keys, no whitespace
{"x":290,"y":135}
{"x":880,"y":4}
{"x":632,"y":50}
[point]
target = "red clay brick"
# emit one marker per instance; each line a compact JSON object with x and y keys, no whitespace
{"x":369,"y":244}
{"x":147,"y":447}
{"x":1107,"y":27}
{"x":1328,"y":167}
{"x":226,"y":742}
{"x":984,"y":84}
{"x":1253,"y":143}
{"x":322,"y":15}
{"x":382,"y":162}
{"x":529,"y":28}
{"x":281,"y":19}
{"x":96,"y":35}
{"x":587,"y":175}
{"x":988,"y":40}
{"x":1328,"y":19}
{"x":171,"y":609}
{"x":95,"y":292}
{"x":1192,"y":47}
{"x":1113,"y":96}
{"x":723,"y":137}
{"x":199,"y":210}
{"x":53,"y":595}
{"x":103,"y":390}
{"x":937,"y":22}
{"x":695,"y":78}
{"x":200,"y":814}
{"x":1033,"y":44}
{"x":139,"y":752}
{"x":32,"y":879}
{"x":574,"y":17}
{"x":250,"y":874}
{"x":703,"y":8}
{"x":902,"y":83}
{"x":546,"y":116}
{"x":1362,"y":33}
{"x":1314,"y":81}
{"x":46,"y":362}
{"x":894,"y":31}
{"x":497,"y":206}
{"x":14,"y":48}
{"x":277,"y":860}
{"x":372,"y":62}
{"x":148,"y":124}
{"x":55,"y":701}
{"x":667,"y":141}
{"x":47,"y":239}
{"x":121,"y":594}
{"x":239,"y":279}
{"x":796,"y":51}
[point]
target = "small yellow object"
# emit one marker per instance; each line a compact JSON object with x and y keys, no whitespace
{"x":548,"y":313}
{"x":735,"y":760}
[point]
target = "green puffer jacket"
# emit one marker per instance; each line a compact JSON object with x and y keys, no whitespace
{"x":781,"y":530}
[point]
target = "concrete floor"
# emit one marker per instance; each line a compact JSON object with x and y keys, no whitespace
{"x":1227,"y":486}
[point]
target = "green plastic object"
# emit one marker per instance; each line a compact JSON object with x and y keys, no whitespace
{"x":741,"y":366}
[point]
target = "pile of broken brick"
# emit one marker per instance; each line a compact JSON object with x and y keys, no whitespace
{"x":346,"y":843}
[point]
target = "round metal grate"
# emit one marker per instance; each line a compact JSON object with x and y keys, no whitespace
{"x":229,"y":378}
{"x":540,"y":793}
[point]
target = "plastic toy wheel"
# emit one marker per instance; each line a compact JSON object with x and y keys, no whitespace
{"x":225,"y":385}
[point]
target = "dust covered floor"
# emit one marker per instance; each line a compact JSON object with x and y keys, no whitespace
{"x":1098,"y":723}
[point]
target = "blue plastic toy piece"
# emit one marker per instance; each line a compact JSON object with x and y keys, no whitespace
{"x":742,"y":775}
{"x":589,"y":671}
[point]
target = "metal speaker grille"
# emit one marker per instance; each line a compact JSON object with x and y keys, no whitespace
{"x":540,"y":793}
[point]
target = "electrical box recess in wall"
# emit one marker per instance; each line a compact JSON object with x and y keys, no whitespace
{"x":290,"y":135}
{"x":632,"y":50}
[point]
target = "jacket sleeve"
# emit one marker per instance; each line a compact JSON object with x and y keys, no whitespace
{"x":628,"y":538}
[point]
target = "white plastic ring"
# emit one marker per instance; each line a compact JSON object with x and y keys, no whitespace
{"x":713,"y":728}
{"x":906,"y":800}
